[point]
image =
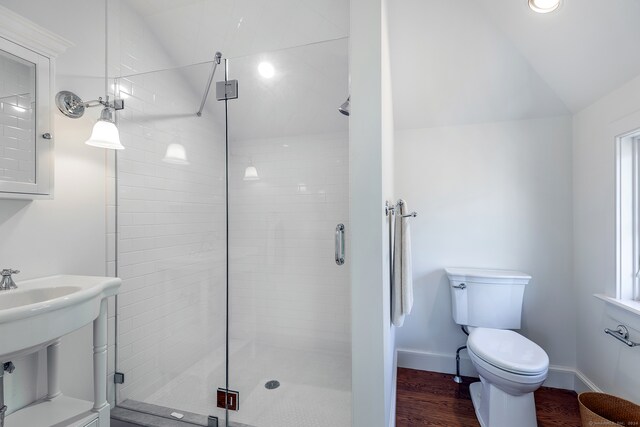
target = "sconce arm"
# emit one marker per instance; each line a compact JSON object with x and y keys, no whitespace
{"x":94,"y":103}
{"x":117,"y":104}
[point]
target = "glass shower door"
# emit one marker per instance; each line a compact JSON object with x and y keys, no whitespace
{"x":288,"y":177}
{"x":171,"y":242}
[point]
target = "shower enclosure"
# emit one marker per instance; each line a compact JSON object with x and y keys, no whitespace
{"x":226,"y":226}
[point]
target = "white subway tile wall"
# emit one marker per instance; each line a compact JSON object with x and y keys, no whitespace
{"x":171,"y":222}
{"x":285,"y":287}
{"x":17,"y":119}
{"x":289,"y":315}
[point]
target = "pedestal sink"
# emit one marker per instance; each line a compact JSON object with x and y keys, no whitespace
{"x":35,"y":316}
{"x":18,"y":298}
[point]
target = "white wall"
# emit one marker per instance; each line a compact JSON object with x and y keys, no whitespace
{"x":494,"y":195}
{"x":609,"y":364}
{"x":452,"y":65}
{"x":67,"y":235}
{"x":388,"y":193}
{"x":370,"y":150}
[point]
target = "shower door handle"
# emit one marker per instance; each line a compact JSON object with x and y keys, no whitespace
{"x":340,"y":244}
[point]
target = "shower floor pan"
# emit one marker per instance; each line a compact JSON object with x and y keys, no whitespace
{"x":314,"y":388}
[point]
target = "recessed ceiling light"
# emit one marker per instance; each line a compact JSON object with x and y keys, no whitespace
{"x":544,"y":6}
{"x":266,"y":70}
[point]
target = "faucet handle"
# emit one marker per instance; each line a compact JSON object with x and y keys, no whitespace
{"x":7,"y":282}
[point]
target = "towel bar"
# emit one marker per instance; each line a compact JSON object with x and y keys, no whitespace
{"x":390,"y":209}
{"x":621,"y":334}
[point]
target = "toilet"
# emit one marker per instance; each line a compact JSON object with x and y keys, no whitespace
{"x":511,"y":367}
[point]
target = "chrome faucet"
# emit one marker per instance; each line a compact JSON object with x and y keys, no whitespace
{"x":7,"y":281}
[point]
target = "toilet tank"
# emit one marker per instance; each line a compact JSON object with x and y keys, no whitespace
{"x":487,"y":298}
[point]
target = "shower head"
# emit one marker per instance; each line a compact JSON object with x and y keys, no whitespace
{"x":345,"y":107}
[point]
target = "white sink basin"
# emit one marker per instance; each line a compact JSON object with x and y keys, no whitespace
{"x":42,"y":310}
{"x":20,"y":297}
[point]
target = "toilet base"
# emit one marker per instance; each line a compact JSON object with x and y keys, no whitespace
{"x":495,"y":408}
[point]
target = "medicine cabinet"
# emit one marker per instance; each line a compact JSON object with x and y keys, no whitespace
{"x":27,"y":55}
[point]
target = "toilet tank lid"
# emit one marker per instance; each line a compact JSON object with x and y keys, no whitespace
{"x":482,"y":275}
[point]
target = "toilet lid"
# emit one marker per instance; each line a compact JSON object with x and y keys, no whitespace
{"x":508,"y":351}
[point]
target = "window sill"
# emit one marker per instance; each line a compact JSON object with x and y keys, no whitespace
{"x":627,"y":312}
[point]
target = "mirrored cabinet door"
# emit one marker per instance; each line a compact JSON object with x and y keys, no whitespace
{"x":25,"y":150}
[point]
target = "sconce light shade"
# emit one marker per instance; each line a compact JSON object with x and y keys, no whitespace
{"x":105,"y":133}
{"x":176,"y":154}
{"x":251,"y":173}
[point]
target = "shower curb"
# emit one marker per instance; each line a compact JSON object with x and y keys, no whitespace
{"x":149,"y":415}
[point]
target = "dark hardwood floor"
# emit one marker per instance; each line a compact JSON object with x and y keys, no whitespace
{"x":433,"y":399}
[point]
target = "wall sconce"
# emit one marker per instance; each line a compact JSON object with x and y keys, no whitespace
{"x":105,"y":133}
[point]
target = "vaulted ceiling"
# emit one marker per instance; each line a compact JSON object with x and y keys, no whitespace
{"x":470,"y":61}
{"x":583,"y":51}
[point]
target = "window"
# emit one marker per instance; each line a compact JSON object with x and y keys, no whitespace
{"x":628,"y":216}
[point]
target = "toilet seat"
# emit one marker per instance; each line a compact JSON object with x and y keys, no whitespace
{"x":508,"y":351}
{"x":510,"y":382}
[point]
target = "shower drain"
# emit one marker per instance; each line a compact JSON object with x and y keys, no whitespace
{"x":270,"y":385}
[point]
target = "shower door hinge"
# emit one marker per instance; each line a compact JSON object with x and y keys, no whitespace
{"x":118,"y":378}
{"x":228,"y":399}
{"x":226,"y":90}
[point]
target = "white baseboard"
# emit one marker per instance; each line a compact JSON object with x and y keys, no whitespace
{"x":562,"y":377}
{"x":584,"y":384}
{"x":559,"y":376}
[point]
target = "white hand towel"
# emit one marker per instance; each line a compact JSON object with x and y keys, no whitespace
{"x":402,"y":276}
